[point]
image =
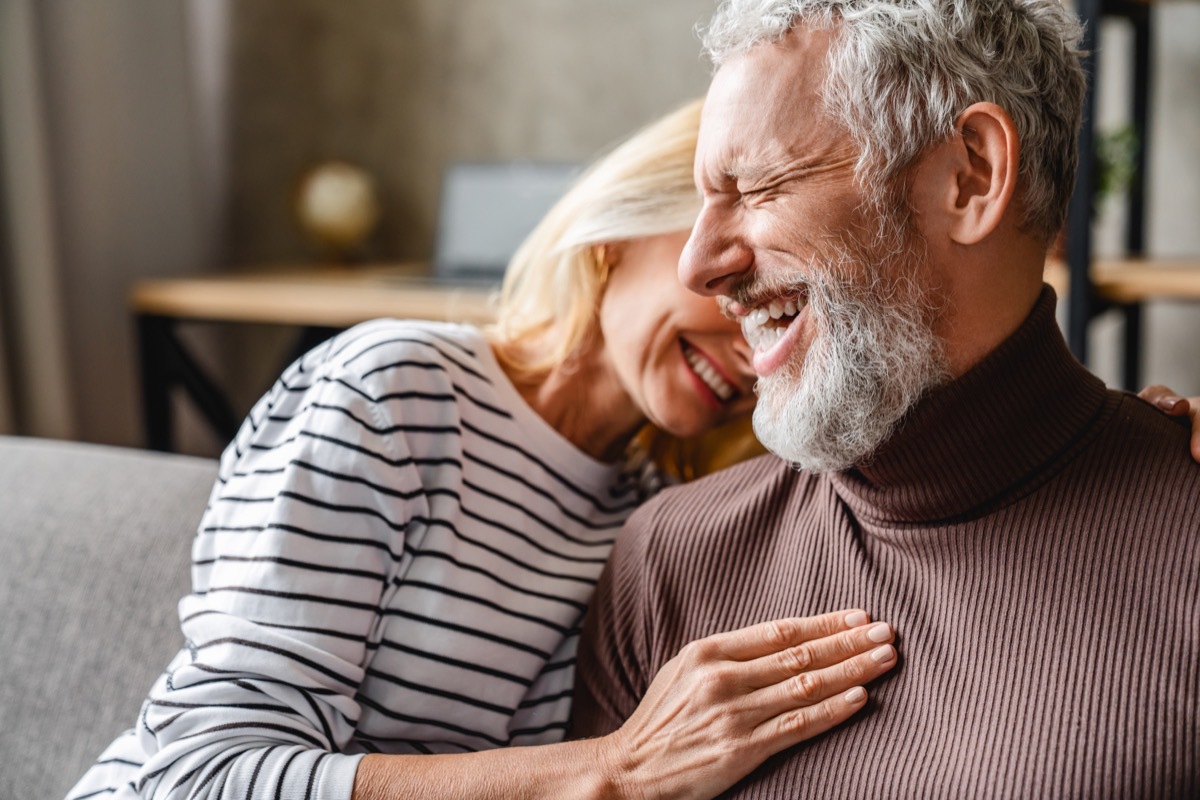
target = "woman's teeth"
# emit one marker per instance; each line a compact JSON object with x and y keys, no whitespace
{"x":765,"y":325}
{"x":707,"y":373}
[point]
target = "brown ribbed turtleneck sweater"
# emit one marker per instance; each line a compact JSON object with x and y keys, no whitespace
{"x":1033,"y":538}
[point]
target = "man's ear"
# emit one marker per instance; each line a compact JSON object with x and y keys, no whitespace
{"x":984,"y":159}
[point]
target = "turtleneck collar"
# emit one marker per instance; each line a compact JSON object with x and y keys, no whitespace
{"x":971,"y":444}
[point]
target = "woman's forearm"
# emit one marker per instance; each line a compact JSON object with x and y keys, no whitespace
{"x":572,"y":769}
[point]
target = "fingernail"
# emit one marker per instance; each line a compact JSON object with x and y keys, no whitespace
{"x":856,"y":618}
{"x":1169,"y":403}
{"x":879,"y":632}
{"x":883,"y":654}
{"x":855,"y":695}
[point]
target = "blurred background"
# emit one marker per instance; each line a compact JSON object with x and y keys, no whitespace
{"x":156,"y":138}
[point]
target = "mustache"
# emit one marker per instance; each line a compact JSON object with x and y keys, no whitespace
{"x":754,"y":290}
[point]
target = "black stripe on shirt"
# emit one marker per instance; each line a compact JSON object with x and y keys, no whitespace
{"x":558,"y":531}
{"x":501,"y":581}
{"x":474,"y":373}
{"x":257,"y":770}
{"x":463,"y":629}
{"x":534,"y":543}
{"x":550,"y":698}
{"x":528,"y":484}
{"x":270,"y":726}
{"x":435,"y":723}
{"x":625,"y":506}
{"x":550,"y":726}
{"x":212,"y":530}
{"x":430,"y":690}
{"x":477,"y":600}
{"x":455,"y":662}
{"x":290,"y":562}
{"x":283,"y":774}
{"x":298,"y":596}
{"x":208,"y":778}
{"x":279,"y":651}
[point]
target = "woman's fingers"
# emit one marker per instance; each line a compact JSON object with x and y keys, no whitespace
{"x":1170,"y":402}
{"x":1165,"y":399}
{"x":815,"y":686}
{"x":1193,"y":412}
{"x":800,"y":724}
{"x":816,"y":654}
{"x":768,"y":638}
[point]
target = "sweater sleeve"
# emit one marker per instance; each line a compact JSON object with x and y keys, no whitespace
{"x":613,"y":667}
{"x":294,"y":559}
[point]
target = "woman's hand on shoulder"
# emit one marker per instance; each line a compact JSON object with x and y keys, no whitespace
{"x":728,"y":702}
{"x":1172,"y":403}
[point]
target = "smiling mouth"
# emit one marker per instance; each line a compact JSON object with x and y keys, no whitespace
{"x":707,"y":372}
{"x":764,"y":325}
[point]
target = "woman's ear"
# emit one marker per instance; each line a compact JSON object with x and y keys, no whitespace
{"x":607,"y":255}
{"x":982,"y":175}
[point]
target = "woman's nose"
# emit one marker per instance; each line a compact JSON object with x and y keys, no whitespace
{"x":715,"y":257}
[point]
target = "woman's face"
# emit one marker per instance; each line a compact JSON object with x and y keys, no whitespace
{"x":676,"y":357}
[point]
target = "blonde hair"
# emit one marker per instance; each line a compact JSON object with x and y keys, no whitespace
{"x":642,"y":188}
{"x":551,"y":292}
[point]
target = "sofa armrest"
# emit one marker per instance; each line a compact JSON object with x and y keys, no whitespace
{"x":94,"y":556}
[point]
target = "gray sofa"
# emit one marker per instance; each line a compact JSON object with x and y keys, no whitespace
{"x":94,"y":556}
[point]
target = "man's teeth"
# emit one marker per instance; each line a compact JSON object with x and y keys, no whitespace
{"x":758,"y":333}
{"x":712,"y":379}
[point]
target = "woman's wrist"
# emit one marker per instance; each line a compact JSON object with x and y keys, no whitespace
{"x":614,"y":772}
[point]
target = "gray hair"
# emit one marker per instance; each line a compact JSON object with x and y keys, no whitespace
{"x":902,"y":71}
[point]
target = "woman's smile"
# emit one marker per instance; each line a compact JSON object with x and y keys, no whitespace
{"x":714,"y":386}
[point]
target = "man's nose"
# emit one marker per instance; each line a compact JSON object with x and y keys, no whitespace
{"x":715,"y":256}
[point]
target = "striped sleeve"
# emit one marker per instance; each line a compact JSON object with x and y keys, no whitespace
{"x":295,"y":558}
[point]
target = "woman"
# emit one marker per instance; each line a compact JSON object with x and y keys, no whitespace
{"x":406,"y":530}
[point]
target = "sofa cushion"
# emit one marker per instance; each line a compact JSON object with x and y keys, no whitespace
{"x":94,"y":556}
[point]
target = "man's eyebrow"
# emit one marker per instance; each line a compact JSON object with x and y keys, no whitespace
{"x":740,"y":170}
{"x":729,"y":175}
{"x":763,"y":173}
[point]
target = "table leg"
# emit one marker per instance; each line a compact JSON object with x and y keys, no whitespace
{"x":156,"y":383}
{"x":165,"y":364}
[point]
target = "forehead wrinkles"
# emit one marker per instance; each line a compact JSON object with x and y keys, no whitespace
{"x":750,"y":150}
{"x":766,"y":112}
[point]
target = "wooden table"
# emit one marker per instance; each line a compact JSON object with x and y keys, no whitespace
{"x":1134,"y":280}
{"x":321,"y":300}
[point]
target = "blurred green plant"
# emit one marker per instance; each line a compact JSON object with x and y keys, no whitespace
{"x":1115,"y":163}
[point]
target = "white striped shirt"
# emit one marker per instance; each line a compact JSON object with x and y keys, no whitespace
{"x":395,"y":558}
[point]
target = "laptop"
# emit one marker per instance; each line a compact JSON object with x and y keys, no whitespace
{"x":486,"y":210}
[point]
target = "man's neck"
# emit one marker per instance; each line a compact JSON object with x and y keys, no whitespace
{"x":989,"y":295}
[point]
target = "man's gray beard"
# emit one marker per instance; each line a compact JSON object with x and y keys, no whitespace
{"x":873,"y":356}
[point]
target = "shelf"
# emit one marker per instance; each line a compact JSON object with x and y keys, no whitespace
{"x":1134,"y":280}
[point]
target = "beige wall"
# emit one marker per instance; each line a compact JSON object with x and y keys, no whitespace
{"x":401,"y":88}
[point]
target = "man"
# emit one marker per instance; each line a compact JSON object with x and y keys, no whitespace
{"x":880,"y":183}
